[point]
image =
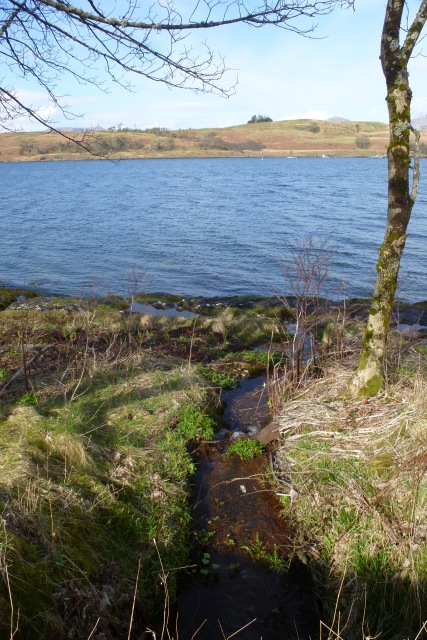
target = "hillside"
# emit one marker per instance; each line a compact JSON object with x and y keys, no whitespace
{"x":285,"y":138}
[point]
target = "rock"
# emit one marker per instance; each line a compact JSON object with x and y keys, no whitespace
{"x":45,"y":304}
{"x":269,"y":433}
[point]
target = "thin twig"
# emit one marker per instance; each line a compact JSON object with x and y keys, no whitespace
{"x":134,"y":598}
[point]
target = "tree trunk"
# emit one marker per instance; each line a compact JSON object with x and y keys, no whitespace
{"x":369,"y":378}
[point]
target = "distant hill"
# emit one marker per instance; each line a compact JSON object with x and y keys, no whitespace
{"x":337,"y":119}
{"x":420,"y":122}
{"x":287,"y":138}
{"x":81,"y":129}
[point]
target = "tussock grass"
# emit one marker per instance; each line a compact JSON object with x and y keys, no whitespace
{"x":353,"y":479}
{"x":246,"y":327}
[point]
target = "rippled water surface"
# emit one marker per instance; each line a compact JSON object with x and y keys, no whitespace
{"x":198,"y":226}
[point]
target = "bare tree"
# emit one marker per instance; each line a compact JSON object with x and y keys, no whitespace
{"x":45,"y":40}
{"x":399,"y":37}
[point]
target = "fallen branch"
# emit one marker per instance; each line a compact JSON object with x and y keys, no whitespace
{"x":21,"y":372}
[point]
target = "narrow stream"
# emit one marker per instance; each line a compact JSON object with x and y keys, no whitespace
{"x":242,"y":585}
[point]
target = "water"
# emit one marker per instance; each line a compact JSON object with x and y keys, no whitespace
{"x":237,"y":593}
{"x":198,"y":226}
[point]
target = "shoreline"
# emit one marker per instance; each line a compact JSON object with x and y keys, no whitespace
{"x":118,"y":158}
{"x":14,"y":298}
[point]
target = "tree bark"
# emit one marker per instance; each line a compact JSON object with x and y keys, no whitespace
{"x":369,"y":378}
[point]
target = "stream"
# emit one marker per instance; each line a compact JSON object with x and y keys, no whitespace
{"x":243,"y":584}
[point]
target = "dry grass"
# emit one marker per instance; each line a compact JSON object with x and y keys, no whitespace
{"x":352,"y":476}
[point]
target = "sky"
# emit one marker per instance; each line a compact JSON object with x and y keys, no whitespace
{"x":278,"y":74}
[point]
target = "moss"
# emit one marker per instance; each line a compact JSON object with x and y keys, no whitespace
{"x":373,"y":386}
{"x":367,"y":339}
{"x":392,"y":236}
{"x":7,"y":296}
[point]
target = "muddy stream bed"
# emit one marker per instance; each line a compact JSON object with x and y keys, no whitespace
{"x":243,"y":584}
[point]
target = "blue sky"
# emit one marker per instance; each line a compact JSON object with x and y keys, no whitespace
{"x":279,"y":74}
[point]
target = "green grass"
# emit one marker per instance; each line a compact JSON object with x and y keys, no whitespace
{"x":258,"y":359}
{"x":4,"y":374}
{"x":27,"y":399}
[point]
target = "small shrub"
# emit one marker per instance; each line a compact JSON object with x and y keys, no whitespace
{"x":314,"y":128}
{"x":245,"y":449}
{"x":4,"y":374}
{"x":363,"y":142}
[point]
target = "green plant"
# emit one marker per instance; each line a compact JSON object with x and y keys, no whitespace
{"x":194,"y":424}
{"x":208,"y":565}
{"x":245,"y":449}
{"x":222,"y":380}
{"x":27,"y":399}
{"x":4,"y":374}
{"x":259,"y":551}
{"x":259,"y":358}
{"x":203,"y":536}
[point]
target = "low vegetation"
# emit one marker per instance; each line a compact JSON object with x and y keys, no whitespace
{"x":245,"y":449}
{"x":352,"y":479}
{"x":97,"y":432}
{"x":93,"y":487}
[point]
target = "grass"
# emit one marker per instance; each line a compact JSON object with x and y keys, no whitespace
{"x":93,"y":483}
{"x":96,"y":459}
{"x":94,"y":475}
{"x":96,"y":462}
{"x":352,"y":478}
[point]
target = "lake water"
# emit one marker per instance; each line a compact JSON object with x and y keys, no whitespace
{"x":218,"y":226}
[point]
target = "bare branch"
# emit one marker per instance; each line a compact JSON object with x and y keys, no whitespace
{"x":46,"y":39}
{"x":414,"y":31}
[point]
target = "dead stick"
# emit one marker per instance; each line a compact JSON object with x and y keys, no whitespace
{"x":21,"y":372}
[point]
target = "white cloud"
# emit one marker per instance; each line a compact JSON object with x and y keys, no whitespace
{"x":419,"y":106}
{"x":310,"y":115}
{"x":418,"y":62}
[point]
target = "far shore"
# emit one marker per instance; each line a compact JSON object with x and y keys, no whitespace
{"x":284,"y":139}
